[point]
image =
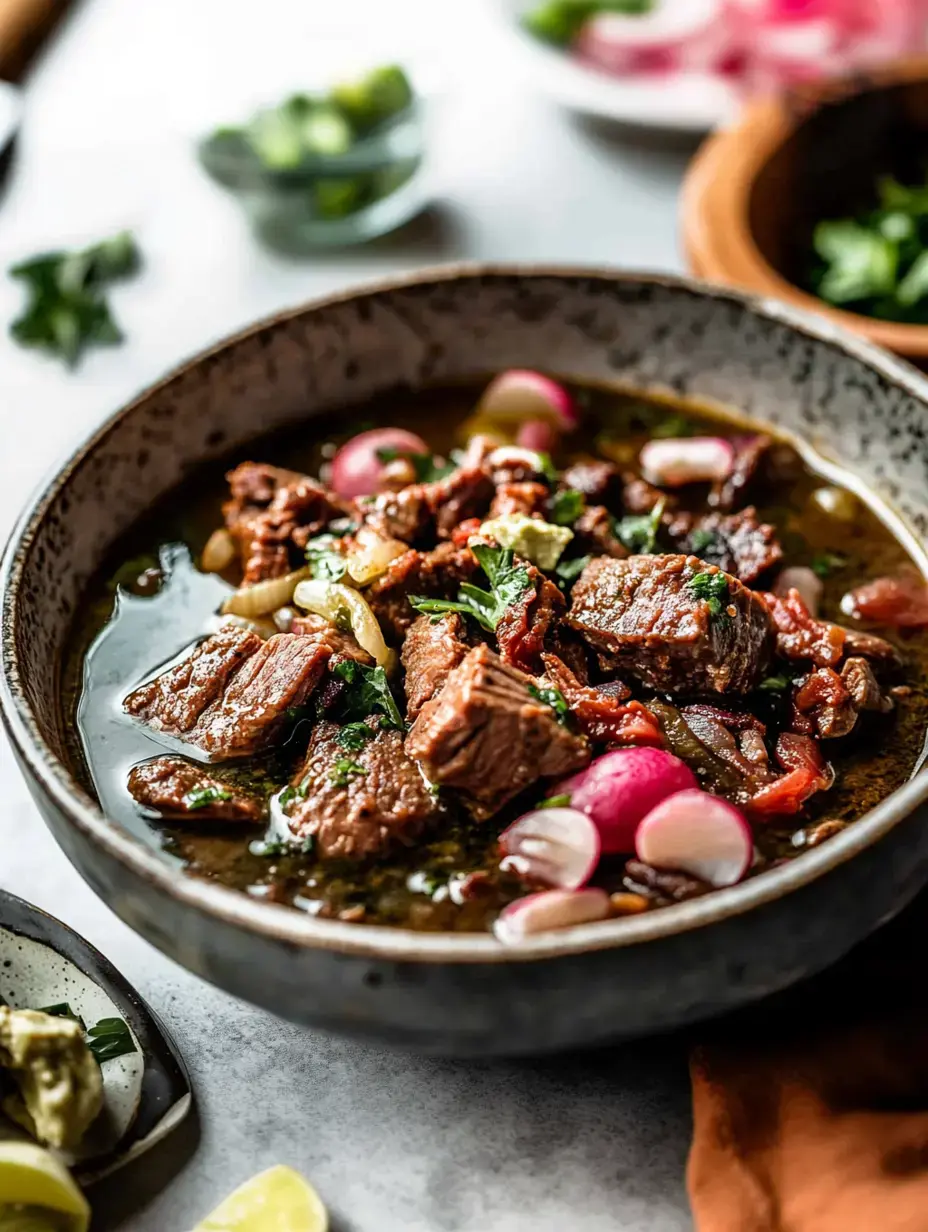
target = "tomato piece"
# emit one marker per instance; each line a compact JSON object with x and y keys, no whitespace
{"x":898,"y":602}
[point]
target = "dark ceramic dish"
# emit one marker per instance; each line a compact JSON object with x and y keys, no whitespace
{"x":449,"y":993}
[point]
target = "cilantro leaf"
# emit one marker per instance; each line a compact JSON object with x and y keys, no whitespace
{"x":368,"y":693}
{"x":325,"y":562}
{"x":825,"y":563}
{"x":427,"y":468}
{"x":569,"y":570}
{"x":109,"y":1039}
{"x":553,"y":698}
{"x":354,"y":736}
{"x":202,"y":797}
{"x":561,"y":801}
{"x":639,"y":533}
{"x":701,"y":539}
{"x":713,"y":589}
{"x":508,"y":583}
{"x":63,"y":1010}
{"x":344,"y":771}
{"x":566,"y":507}
{"x":671,"y":426}
{"x":774,"y":684}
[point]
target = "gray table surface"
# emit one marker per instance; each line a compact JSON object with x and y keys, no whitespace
{"x":590,"y":1143}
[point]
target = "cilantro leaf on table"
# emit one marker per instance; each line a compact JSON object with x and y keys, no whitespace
{"x":66,"y":311}
{"x":508,"y":583}
{"x":639,"y":532}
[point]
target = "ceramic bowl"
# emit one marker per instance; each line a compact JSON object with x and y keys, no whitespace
{"x":755,"y":191}
{"x":455,"y":993}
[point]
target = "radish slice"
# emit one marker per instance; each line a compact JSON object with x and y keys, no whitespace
{"x":537,"y":435}
{"x":678,"y":36}
{"x":357,"y":468}
{"x":557,"y":846}
{"x":680,"y":460}
{"x":549,"y":910}
{"x":699,"y":834}
{"x":616,"y":790}
{"x":520,"y":394}
{"x":801,"y":578}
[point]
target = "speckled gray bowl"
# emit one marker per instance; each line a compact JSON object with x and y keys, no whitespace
{"x":447,"y":993}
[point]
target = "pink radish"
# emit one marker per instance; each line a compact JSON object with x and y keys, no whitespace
{"x":801,"y":578}
{"x":681,"y":460}
{"x":537,"y":435}
{"x":556,"y":846}
{"x":678,"y":36}
{"x":520,"y":394}
{"x":549,"y":910}
{"x":697,"y":833}
{"x":357,"y":466}
{"x":619,"y":788}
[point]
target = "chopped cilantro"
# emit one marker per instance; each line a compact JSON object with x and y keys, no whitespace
{"x":202,"y":797}
{"x":702,"y":539}
{"x":353,"y":737}
{"x":548,"y":469}
{"x":553,"y":698}
{"x":109,"y":1039}
{"x":344,"y":771}
{"x":569,"y":570}
{"x":670,"y":426}
{"x":774,"y":684}
{"x":368,"y":693}
{"x":825,"y":563}
{"x":427,"y":469}
{"x":567,"y":506}
{"x":290,"y":793}
{"x":325,"y":561}
{"x":713,"y":588}
{"x":269,"y":847}
{"x":639,"y":533}
{"x":561,"y":801}
{"x":62,"y":1010}
{"x":508,"y":583}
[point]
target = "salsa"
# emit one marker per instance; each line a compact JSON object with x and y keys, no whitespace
{"x":508,"y":657}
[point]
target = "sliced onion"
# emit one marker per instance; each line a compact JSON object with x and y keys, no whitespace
{"x":510,"y":457}
{"x":837,"y":503}
{"x":538,"y":435}
{"x":356,"y":468}
{"x":341,"y":605}
{"x":676,"y":36}
{"x":264,"y":597}
{"x":261,"y":625}
{"x":699,"y":834}
{"x":548,"y":911}
{"x":803,"y":579}
{"x":520,"y":395}
{"x":219,"y":552}
{"x":617,"y":789}
{"x":556,"y":846}
{"x":369,"y":555}
{"x":691,"y":459}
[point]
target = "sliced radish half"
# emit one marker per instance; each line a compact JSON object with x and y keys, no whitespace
{"x":520,"y":394}
{"x":803,"y":579}
{"x":556,"y":846}
{"x":548,"y":911}
{"x":359,"y":463}
{"x":697,"y":833}
{"x":681,"y":460}
{"x":537,"y":435}
{"x":676,"y":36}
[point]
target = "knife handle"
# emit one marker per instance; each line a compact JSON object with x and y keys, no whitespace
{"x":24,"y":25}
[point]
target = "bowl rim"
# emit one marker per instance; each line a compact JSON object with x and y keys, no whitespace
{"x":715,"y":197}
{"x":279,"y":923}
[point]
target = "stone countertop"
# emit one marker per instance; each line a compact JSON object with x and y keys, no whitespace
{"x":592,"y":1143}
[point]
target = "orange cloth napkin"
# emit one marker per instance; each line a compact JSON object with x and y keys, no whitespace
{"x":811,"y":1110}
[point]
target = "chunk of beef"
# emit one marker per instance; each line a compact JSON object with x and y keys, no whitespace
{"x":594,"y":532}
{"x":714,"y":762}
{"x":644,"y":617}
{"x":271,"y":515}
{"x":176,"y":787}
{"x":869,"y":646}
{"x":398,"y":515}
{"x":799,"y":636}
{"x":639,"y":496}
{"x":600,"y":482}
{"x":737,"y":738}
{"x":862,"y":684}
{"x":823,"y":706}
{"x":438,"y":574}
{"x":510,"y":464}
{"x":749,"y":450}
{"x":737,"y":543}
{"x":603,"y":712}
{"x":528,"y":499}
{"x":525,"y":626}
{"x":341,"y":645}
{"x":488,"y":736}
{"x":361,"y":804}
{"x":231,"y":695}
{"x":661,"y":885}
{"x":424,"y":511}
{"x":432,"y":650}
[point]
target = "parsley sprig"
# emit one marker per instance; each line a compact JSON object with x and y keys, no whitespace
{"x":367,"y":693}
{"x":354,"y":736}
{"x":508,"y":583}
{"x":553,"y":698}
{"x":639,"y":533}
{"x":108,"y":1039}
{"x":345,"y":770}
{"x":202,"y":797}
{"x":713,"y":588}
{"x":566,"y":507}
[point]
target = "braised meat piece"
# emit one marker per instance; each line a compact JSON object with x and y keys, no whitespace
{"x":639,"y":496}
{"x":341,"y":645}
{"x":823,"y":706}
{"x":424,"y":511}
{"x":526,"y":625}
{"x":603,"y":712}
{"x":749,"y":450}
{"x":176,"y":787}
{"x":433,"y":648}
{"x":594,"y":532}
{"x":737,"y":543}
{"x":861,"y":683}
{"x":528,"y":499}
{"x":660,"y":885}
{"x":674,"y":623}
{"x":437,"y":574}
{"x":488,"y":736}
{"x":360,"y":804}
{"x":869,"y":646}
{"x":231,"y":695}
{"x":736,"y":737}
{"x":799,"y":636}
{"x":600,"y":482}
{"x":271,"y":515}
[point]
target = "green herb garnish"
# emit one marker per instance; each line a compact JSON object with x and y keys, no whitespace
{"x":713,"y":588}
{"x":548,"y":469}
{"x":568,"y":571}
{"x":553,"y":698}
{"x":669,"y":427}
{"x":427,"y":469}
{"x":639,"y":533}
{"x":63,"y":1010}
{"x":566,"y":507}
{"x":826,"y":563}
{"x":368,"y":693}
{"x":282,"y":847}
{"x":561,"y":801}
{"x":293,"y":791}
{"x":702,"y":539}
{"x":203,"y":797}
{"x":66,"y":311}
{"x":344,"y":771}
{"x":774,"y":684}
{"x":109,"y":1039}
{"x":354,"y":736}
{"x":560,"y":21}
{"x":508,"y":583}
{"x":325,"y":561}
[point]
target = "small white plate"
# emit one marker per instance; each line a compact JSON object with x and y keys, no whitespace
{"x":683,"y":102}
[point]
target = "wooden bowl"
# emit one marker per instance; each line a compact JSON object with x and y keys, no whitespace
{"x":754,"y":192}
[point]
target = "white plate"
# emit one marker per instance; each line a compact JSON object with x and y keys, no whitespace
{"x":684,"y":102}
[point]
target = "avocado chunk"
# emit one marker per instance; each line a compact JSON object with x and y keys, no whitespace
{"x":540,"y":542}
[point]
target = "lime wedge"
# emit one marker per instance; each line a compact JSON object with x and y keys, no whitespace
{"x":32,"y":1178}
{"x":278,"y":1200}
